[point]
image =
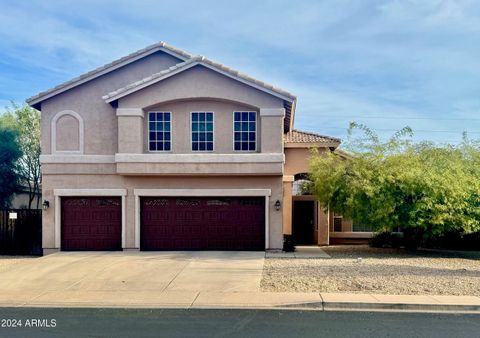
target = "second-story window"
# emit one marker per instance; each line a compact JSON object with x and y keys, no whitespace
{"x":245,"y":131}
{"x":159,"y":131}
{"x":202,"y":131}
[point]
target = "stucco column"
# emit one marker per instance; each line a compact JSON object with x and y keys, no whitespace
{"x":323,"y":226}
{"x":130,"y":130}
{"x":287,"y":205}
{"x":271,"y":133}
{"x":130,"y":221}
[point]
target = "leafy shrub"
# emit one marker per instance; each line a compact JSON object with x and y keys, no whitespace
{"x":386,"y":239}
{"x":423,"y":188}
{"x":454,"y":241}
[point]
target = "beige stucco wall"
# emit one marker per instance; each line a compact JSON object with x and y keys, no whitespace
{"x":272,"y":134}
{"x":297,"y":160}
{"x":64,"y":181}
{"x":196,"y":89}
{"x":181,"y":168}
{"x":130,"y":131}
{"x":199,"y":82}
{"x":287,"y":206}
{"x":99,"y":117}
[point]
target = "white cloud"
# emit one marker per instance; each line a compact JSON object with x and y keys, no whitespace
{"x":372,"y":57}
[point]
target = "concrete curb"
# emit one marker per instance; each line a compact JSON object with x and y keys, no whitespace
{"x":417,"y":303}
{"x":342,"y":306}
{"x":249,"y":300}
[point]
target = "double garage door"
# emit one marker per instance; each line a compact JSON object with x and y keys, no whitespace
{"x":166,"y":223}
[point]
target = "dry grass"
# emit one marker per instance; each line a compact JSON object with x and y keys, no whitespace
{"x":387,"y":271}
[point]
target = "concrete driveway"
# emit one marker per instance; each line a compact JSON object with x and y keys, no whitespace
{"x":114,"y":278}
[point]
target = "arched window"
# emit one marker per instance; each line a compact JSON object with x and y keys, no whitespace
{"x":301,"y":185}
{"x":67,"y":134}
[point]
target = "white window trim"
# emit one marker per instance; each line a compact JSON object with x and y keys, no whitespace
{"x":171,"y":132}
{"x":53,"y":133}
{"x":191,"y":131}
{"x":256,"y":132}
{"x":58,"y":193}
{"x":201,"y":193}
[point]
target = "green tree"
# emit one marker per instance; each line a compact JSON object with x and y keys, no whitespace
{"x":9,"y":154}
{"x":26,"y":121}
{"x":421,"y":187}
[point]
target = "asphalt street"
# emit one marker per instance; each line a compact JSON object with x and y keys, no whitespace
{"x":76,"y":322}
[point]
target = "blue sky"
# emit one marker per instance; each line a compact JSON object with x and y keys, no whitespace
{"x":387,"y":63}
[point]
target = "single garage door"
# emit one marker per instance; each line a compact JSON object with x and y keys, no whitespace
{"x":201,"y":223}
{"x":91,"y":223}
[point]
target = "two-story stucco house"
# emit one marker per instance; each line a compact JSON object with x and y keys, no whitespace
{"x":162,"y":150}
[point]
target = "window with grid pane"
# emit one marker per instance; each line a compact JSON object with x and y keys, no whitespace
{"x":245,"y":131}
{"x":159,"y":131}
{"x":202,"y":131}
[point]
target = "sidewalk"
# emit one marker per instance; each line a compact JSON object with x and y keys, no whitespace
{"x":247,"y":300}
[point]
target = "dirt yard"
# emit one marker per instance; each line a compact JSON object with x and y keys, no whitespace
{"x":361,"y":269}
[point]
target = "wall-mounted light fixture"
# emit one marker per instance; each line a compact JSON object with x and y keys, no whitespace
{"x":45,"y":205}
{"x":277,"y":205}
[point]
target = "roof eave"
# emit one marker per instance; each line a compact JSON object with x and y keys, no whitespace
{"x":311,"y":144}
{"x":109,"y":98}
{"x":36,"y":100}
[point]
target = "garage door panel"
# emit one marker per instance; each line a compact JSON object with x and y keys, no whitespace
{"x":91,"y":223}
{"x":201,"y":223}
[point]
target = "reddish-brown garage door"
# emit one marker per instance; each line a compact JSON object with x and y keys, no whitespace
{"x":213,"y":223}
{"x":91,"y":223}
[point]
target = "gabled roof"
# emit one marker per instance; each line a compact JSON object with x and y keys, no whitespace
{"x":299,"y":137}
{"x":161,"y":46}
{"x":188,"y":61}
{"x":289,"y":98}
{"x":198,"y":60}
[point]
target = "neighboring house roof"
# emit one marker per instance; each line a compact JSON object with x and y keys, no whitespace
{"x":298,"y":137}
{"x":343,"y":153}
{"x":161,"y":46}
{"x":289,"y":98}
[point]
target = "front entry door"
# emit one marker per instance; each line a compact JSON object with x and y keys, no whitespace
{"x":303,"y":222}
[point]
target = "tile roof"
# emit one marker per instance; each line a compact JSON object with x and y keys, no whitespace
{"x":105,"y":68}
{"x":298,"y":136}
{"x":344,"y":153}
{"x":189,"y":61}
{"x":187,"y":64}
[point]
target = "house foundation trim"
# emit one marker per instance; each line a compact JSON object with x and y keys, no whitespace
{"x":201,"y":193}
{"x":58,"y":193}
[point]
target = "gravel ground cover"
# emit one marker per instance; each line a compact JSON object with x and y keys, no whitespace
{"x":8,"y":262}
{"x":361,"y":269}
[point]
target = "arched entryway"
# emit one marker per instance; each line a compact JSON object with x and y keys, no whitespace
{"x":304,"y":213}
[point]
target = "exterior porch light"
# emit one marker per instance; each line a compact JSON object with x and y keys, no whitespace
{"x":277,"y":205}
{"x":45,"y":205}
